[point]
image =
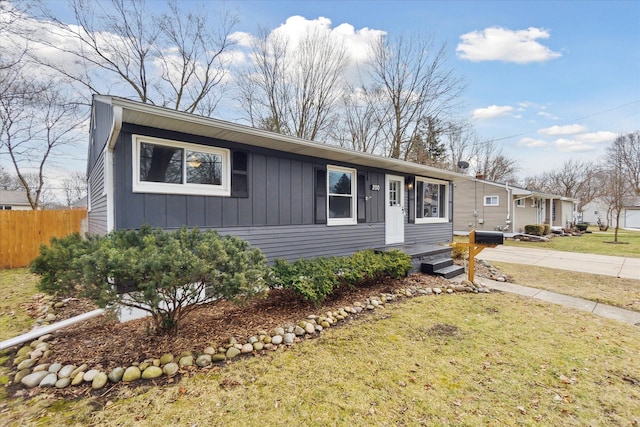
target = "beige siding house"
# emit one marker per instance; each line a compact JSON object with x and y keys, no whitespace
{"x":14,"y":200}
{"x":487,"y":205}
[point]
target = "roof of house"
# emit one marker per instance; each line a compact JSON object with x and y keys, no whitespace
{"x":14,"y":198}
{"x":127,"y":111}
{"x":519,"y":191}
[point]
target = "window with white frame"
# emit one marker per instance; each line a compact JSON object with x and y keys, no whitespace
{"x":431,"y":200}
{"x":491,"y":200}
{"x":341,"y":200}
{"x":165,"y":166}
{"x":520,"y":203}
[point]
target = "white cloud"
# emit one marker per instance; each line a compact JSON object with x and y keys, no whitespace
{"x":547,"y":115}
{"x":491,"y":112}
{"x":563,"y":130}
{"x":597,"y":137}
{"x":503,"y":44}
{"x":573,"y":146}
{"x":532,"y":143}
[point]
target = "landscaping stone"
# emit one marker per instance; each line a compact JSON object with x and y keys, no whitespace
{"x":288,"y":338}
{"x":170,"y":369}
{"x":246,"y":348}
{"x":63,"y":382}
{"x":218,"y":357}
{"x":20,"y":375}
{"x":277,"y":331}
{"x":65,"y":371}
{"x":203,"y":360}
{"x":41,"y":367}
{"x":36,"y":354}
{"x":90,"y":375}
{"x":298,"y":331}
{"x":257,"y":346}
{"x":276,"y":339}
{"x":151,"y":372}
{"x":166,"y":358}
{"x":99,"y":381}
{"x":55,"y":368}
{"x":80,"y":368}
{"x":33,"y":379}
{"x":232,"y":352}
{"x":116,"y":374}
{"x":132,"y":373}
{"x":24,"y":351}
{"x":210,"y":351}
{"x":185,"y":361}
{"x":26,"y":364}
{"x":309,"y":328}
{"x":78,"y":378}
{"x":50,"y":380}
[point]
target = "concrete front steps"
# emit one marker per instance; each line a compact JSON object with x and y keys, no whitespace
{"x":429,"y":259}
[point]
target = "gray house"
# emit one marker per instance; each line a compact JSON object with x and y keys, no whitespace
{"x":288,"y":196}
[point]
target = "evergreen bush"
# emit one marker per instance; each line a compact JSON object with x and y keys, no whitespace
{"x":167,"y":273}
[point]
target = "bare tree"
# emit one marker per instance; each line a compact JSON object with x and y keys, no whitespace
{"x":36,"y":119}
{"x":618,"y":189}
{"x":459,"y":139}
{"x":176,"y":59}
{"x":493,"y":164}
{"x":75,"y":188}
{"x":360,"y":128}
{"x":294,"y":88}
{"x":417,"y":84}
{"x":629,"y":146}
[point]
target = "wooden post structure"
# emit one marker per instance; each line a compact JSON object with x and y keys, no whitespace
{"x":475,"y":249}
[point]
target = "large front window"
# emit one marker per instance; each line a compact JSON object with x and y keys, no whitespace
{"x":341,"y":183}
{"x":431,"y":201}
{"x":163,"y":166}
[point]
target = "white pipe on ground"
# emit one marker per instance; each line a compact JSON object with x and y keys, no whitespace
{"x":36,"y":333}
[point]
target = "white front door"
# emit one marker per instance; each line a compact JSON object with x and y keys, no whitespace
{"x":394,"y":211}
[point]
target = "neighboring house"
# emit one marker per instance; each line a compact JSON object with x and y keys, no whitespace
{"x":487,"y":205}
{"x":288,"y":196}
{"x":14,"y":200}
{"x":631,"y":215}
{"x":594,"y":211}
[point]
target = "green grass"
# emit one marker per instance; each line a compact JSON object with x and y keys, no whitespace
{"x":619,"y":292}
{"x":491,"y":359}
{"x":593,"y":243}
{"x":17,"y":287}
{"x":488,"y":359}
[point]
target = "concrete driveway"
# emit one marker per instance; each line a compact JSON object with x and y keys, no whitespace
{"x":617,"y":266}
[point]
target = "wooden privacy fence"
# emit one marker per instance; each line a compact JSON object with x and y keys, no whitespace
{"x":22,"y":232}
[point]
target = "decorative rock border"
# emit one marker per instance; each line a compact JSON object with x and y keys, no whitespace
{"x":31,"y":374}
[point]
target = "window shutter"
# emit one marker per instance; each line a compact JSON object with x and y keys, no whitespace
{"x":239,"y":174}
{"x":362,"y":197}
{"x":320,"y":192}
{"x":451,"y":202}
{"x":418,"y":210}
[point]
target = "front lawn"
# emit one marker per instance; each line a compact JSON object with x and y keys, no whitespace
{"x":461,"y":359}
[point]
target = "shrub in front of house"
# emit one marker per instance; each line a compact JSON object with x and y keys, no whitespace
{"x":537,"y":229}
{"x":315,"y":279}
{"x":167,"y":274}
{"x":581,"y":226}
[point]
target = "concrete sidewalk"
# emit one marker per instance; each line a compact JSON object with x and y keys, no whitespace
{"x":587,"y":263}
{"x":603,"y":310}
{"x":624,"y":267}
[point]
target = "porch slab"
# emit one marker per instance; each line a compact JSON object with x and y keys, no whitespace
{"x":416,"y":250}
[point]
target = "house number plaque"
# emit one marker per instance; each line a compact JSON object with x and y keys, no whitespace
{"x":375,"y":187}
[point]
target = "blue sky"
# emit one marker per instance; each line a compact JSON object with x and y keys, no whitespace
{"x":567,"y":106}
{"x":549,"y":81}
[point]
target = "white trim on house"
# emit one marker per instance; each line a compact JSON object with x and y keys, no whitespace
{"x":442,"y":216}
{"x":354,"y":196}
{"x":184,"y":187}
{"x":490,"y":202}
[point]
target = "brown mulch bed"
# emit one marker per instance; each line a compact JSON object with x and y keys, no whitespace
{"x":103,"y":343}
